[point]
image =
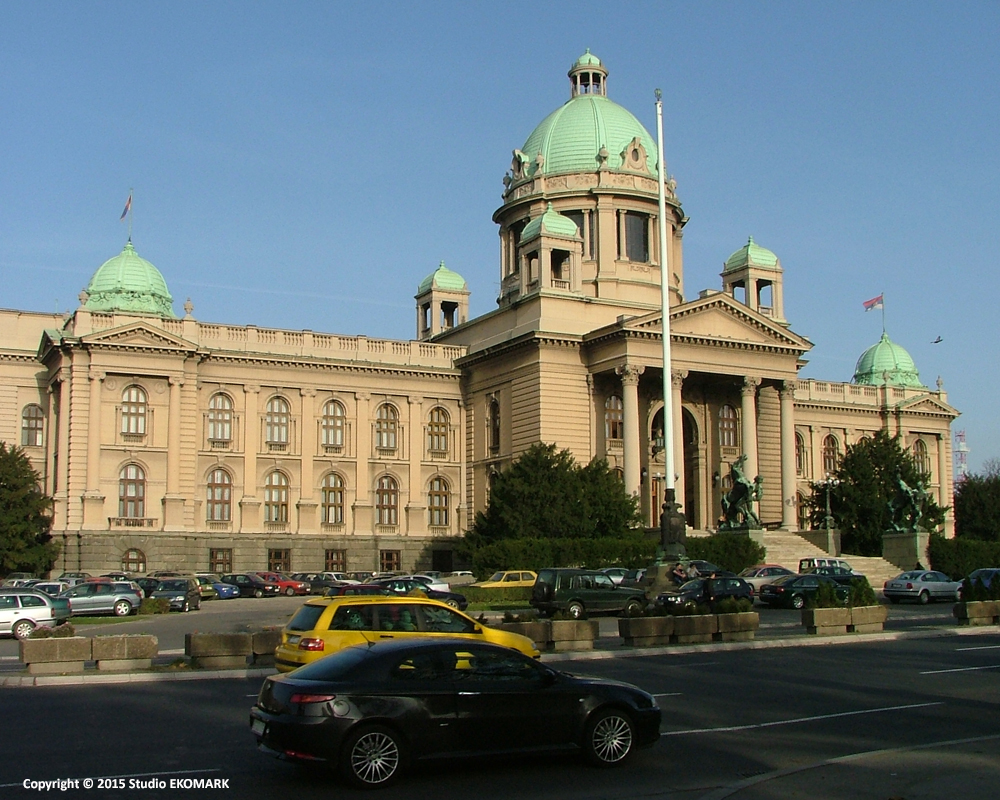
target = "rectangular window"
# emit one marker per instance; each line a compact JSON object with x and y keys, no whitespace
{"x":279,"y":560}
{"x":220,"y":561}
{"x":389,"y":561}
{"x":336,"y":561}
{"x":637,"y":237}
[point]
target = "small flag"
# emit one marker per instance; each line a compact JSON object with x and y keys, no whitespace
{"x":875,"y":302}
{"x":128,"y":205}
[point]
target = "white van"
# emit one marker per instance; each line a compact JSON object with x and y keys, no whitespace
{"x":806,"y":564}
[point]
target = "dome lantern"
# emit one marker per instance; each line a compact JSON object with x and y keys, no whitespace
{"x":588,"y":76}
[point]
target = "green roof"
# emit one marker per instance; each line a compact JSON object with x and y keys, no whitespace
{"x":588,"y":59}
{"x":442,"y":278}
{"x":886,"y":363}
{"x":131,"y":284}
{"x":751,"y":254}
{"x":550,"y":222}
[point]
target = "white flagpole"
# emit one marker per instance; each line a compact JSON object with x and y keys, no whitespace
{"x":668,"y":411}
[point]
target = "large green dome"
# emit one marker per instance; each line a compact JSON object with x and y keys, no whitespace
{"x":131,"y":284}
{"x":886,"y":363}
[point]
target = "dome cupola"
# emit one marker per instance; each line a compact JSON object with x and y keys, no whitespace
{"x":885,"y":363}
{"x":130,"y":284}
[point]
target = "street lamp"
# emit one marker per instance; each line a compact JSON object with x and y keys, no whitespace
{"x":828,"y":484}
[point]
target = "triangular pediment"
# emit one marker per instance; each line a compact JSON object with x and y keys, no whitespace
{"x":138,"y":336}
{"x":927,"y":404}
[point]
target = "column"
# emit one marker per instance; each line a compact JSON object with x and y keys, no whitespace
{"x":630,"y":400}
{"x":60,"y":519}
{"x":748,"y":419}
{"x":677,"y":377}
{"x":786,"y":394}
{"x":363,"y":518}
{"x":94,"y":433}
{"x":173,"y":502}
{"x":250,"y":505}
{"x":415,"y":507}
{"x":306,"y":504}
{"x":943,"y":476}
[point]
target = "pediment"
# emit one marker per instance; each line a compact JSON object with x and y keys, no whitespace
{"x":927,"y":404}
{"x":138,"y":336}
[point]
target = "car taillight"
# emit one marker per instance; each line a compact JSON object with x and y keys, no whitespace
{"x":909,"y":585}
{"x":311,"y":644}
{"x":305,"y":699}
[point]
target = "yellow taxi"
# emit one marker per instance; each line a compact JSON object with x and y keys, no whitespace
{"x":509,"y":579}
{"x":325,"y":625}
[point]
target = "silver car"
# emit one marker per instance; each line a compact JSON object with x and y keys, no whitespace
{"x":921,"y":585}
{"x":103,"y":597}
{"x":23,"y":610}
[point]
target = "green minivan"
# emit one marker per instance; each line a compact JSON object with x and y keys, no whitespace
{"x":578,"y":592}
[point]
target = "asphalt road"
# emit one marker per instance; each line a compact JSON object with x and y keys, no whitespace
{"x":912,"y":719}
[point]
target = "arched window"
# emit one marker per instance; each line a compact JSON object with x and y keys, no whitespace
{"x":921,"y":457}
{"x":619,"y":473}
{"x":276,"y":497}
{"x":276,"y":421}
{"x":728,"y":431}
{"x":614,"y":418}
{"x":220,"y":418}
{"x":134,"y":560}
{"x":132,"y":492}
{"x":218,"y":506}
{"x":333,"y":499}
{"x":493,"y":423}
{"x":386,"y":426}
{"x":32,"y":422}
{"x":387,"y":501}
{"x":134,"y":410}
{"x":333,"y":424}
{"x":831,"y":454}
{"x":437,"y":502}
{"x":437,"y":430}
{"x":801,"y":459}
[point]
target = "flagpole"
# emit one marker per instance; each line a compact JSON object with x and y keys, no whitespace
{"x":130,"y":214}
{"x":883,"y":311}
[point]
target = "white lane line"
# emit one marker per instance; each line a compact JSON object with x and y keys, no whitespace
{"x":136,"y":775}
{"x":798,"y":720}
{"x":959,"y":669}
{"x":984,"y":647}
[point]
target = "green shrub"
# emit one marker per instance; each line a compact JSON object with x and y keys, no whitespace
{"x":154,"y":605}
{"x":958,"y":557}
{"x":514,"y":594}
{"x":63,"y":631}
{"x":565,"y":615}
{"x":862,"y":594}
{"x":632,"y":552}
{"x":733,"y":605}
{"x":527,"y":616}
{"x":731,"y":551}
{"x":687,"y":609}
{"x":826,"y":597}
{"x":977,"y":591}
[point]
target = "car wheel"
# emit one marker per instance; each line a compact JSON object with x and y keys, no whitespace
{"x":575,"y":609}
{"x":290,"y":591}
{"x":924,"y":598}
{"x":187,"y":606}
{"x":372,"y":757}
{"x":609,"y":738}
{"x":798,"y":601}
{"x":633,"y":608}
{"x":451,"y":601}
{"x":123,"y":608}
{"x":197,"y":605}
{"x":22,"y":628}
{"x":258,"y":592}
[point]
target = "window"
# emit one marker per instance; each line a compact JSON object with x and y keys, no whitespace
{"x":333,"y":499}
{"x":801,"y":459}
{"x":276,"y":498}
{"x":132,"y":492}
{"x":802,"y":507}
{"x":389,"y":561}
{"x":614,"y":418}
{"x":220,"y":418}
{"x":134,"y":411}
{"x":831,"y":455}
{"x":636,"y":227}
{"x":333,"y":424}
{"x":493,"y":422}
{"x":32,"y":420}
{"x":437,"y":431}
{"x":386,"y":425}
{"x":279,"y":560}
{"x":921,"y":457}
{"x":336,"y":560}
{"x":134,"y":560}
{"x":219,"y":496}
{"x":437,"y":502}
{"x":220,"y":560}
{"x":387,"y":501}
{"x":276,"y":421}
{"x":727,"y":427}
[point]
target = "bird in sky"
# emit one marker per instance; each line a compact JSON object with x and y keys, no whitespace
{"x":938,"y":340}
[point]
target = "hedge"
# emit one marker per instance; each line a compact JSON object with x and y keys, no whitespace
{"x":731,"y":551}
{"x":960,"y":556}
{"x":474,"y":594}
{"x":535,"y":554}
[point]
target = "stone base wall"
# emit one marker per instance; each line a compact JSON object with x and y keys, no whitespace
{"x":906,"y":550}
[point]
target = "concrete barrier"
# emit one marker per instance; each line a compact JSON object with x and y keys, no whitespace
{"x":124,"y":652}
{"x":263,"y":646}
{"x":56,"y":655}
{"x":218,"y":650}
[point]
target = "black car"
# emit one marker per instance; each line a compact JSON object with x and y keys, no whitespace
{"x":707,"y":591}
{"x":148,"y":585}
{"x":352,"y":589}
{"x":371,"y":710}
{"x":407,"y":585}
{"x":793,"y":591}
{"x":841,"y":575}
{"x":183,"y":594}
{"x":578,"y":592}
{"x":251,"y":585}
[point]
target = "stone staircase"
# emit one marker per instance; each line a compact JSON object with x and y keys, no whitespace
{"x":786,"y":548}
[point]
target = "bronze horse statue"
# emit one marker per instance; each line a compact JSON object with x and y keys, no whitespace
{"x":737,"y":503}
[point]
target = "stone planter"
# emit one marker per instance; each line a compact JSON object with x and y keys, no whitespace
{"x":741,"y":627}
{"x":833,"y":621}
{"x":219,"y":650}
{"x":538,"y":631}
{"x":572,"y":634}
{"x":263,"y":646}
{"x":980,"y":612}
{"x":128,"y":652}
{"x":55,"y":656}
{"x":868,"y":619}
{"x":645,"y":631}
{"x":694,"y":629}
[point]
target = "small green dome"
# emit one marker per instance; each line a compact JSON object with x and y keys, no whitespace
{"x":588,"y":59}
{"x":886,"y":363}
{"x":751,"y":255}
{"x":442,"y":278}
{"x":131,"y":284}
{"x":550,"y":222}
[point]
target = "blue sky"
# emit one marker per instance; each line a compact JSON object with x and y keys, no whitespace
{"x":306,"y":165}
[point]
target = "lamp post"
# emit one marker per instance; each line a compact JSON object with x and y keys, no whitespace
{"x":828,"y":484}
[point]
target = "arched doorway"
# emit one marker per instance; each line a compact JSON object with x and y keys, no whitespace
{"x":692,"y":509}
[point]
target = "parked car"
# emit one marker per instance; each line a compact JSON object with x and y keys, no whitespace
{"x":577,"y":592}
{"x":841,"y":575}
{"x":985,"y":575}
{"x":361,"y":576}
{"x":707,"y":568}
{"x":922,"y":586}
{"x":285,"y":584}
{"x":225,"y":591}
{"x":762,"y":574}
{"x":250,"y":585}
{"x":103,"y":597}
{"x":342,"y":577}
{"x":148,"y":585}
{"x":117,"y":576}
{"x":406,"y":586}
{"x":436,"y":584}
{"x":634,"y":577}
{"x":806,"y":564}
{"x":20,"y":576}
{"x":206,"y":586}
{"x":166,"y":573}
{"x":617,"y":574}
{"x":184,"y":594}
{"x":390,"y":712}
{"x":51,"y":588}
{"x":358,"y":589}
{"x":794,"y":591}
{"x":23,"y":610}
{"x":508,"y":579}
{"x":707,"y":591}
{"x":73,"y":578}
{"x":318,"y":582}
{"x":325,"y":625}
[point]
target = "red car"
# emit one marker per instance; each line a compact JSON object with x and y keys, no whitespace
{"x":285,"y":585}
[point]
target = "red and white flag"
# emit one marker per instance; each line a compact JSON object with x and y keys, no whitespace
{"x":875,"y":302}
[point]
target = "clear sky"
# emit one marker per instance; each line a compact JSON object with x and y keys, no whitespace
{"x":305,"y":165}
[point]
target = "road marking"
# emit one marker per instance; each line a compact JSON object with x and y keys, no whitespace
{"x":136,"y":775}
{"x":959,"y":669}
{"x":798,"y":720}
{"x":984,"y":647}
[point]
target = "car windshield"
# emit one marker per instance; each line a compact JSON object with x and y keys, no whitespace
{"x":305,"y":618}
{"x":496,"y":576}
{"x":749,"y":572}
{"x":334,"y":667}
{"x":172,"y":586}
{"x":691,"y":586}
{"x":785,"y":579}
